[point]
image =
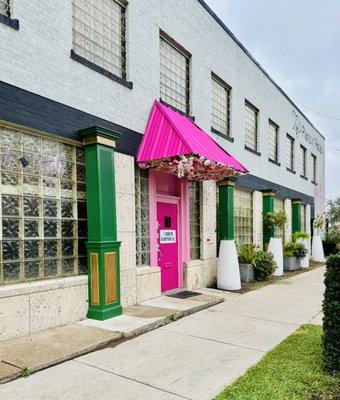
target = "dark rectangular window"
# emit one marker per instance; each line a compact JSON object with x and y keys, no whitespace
{"x":314,"y":170}
{"x":99,"y":34}
{"x":273,"y":141}
{"x":174,"y":76}
{"x":303,"y":160}
{"x":220,"y":121}
{"x":290,"y":153}
{"x":5,"y":8}
{"x":251,"y":139}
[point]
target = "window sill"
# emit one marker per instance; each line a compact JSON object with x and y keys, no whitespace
{"x":290,"y":170}
{"x":252,"y":151}
{"x":304,"y":177}
{"x":101,"y":70}
{"x":274,"y":162}
{"x":223,"y":135}
{"x":13,"y":23}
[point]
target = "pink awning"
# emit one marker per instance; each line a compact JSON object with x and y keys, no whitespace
{"x":174,"y":143}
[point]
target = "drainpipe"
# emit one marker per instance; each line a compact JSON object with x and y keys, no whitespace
{"x":102,"y":246}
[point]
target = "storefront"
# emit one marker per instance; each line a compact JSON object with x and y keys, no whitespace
{"x":178,"y":155}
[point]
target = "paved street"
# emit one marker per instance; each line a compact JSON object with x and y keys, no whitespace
{"x":193,"y":358}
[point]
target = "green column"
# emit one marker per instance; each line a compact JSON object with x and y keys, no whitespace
{"x":102,"y":245}
{"x":296,"y":215}
{"x":226,"y":209}
{"x":268,"y":206}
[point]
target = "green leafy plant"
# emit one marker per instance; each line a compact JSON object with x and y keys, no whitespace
{"x":299,"y":235}
{"x":319,"y":222}
{"x":276,"y":219}
{"x":173,"y":317}
{"x":247,"y":253}
{"x":25,"y":372}
{"x":331,"y":321}
{"x":294,"y":249}
{"x":264,"y":265}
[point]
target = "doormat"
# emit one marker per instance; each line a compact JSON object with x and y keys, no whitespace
{"x":184,"y":295}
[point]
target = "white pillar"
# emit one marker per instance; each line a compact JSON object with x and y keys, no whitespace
{"x":288,"y":227}
{"x":308,"y":228}
{"x":258,"y":218}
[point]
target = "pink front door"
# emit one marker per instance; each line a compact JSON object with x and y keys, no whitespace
{"x":167,"y":240}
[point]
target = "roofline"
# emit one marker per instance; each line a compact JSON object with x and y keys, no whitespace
{"x":227,"y":30}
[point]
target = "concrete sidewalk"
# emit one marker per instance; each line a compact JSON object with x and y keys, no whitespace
{"x":193,"y":358}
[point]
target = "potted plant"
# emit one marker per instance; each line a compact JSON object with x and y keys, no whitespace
{"x":264,"y":265}
{"x":302,"y":237}
{"x":277,"y":222}
{"x":293,"y":252}
{"x":317,"y":249}
{"x":246,"y":256}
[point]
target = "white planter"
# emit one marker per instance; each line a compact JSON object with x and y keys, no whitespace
{"x":275,"y":247}
{"x":304,"y":262}
{"x":317,"y":249}
{"x":228,"y":270}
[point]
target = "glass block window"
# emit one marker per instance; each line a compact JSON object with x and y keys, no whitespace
{"x":99,"y":34}
{"x":243,"y":216}
{"x":303,"y":218}
{"x":303,"y":160}
{"x":313,"y":168}
{"x":279,"y":205}
{"x":251,"y":126}
{"x":174,"y":77}
{"x":195,"y":223}
{"x":273,"y":142}
{"x":290,"y":153}
{"x":43,"y":208}
{"x":142,"y":217}
{"x":220,"y":107}
{"x":5,"y":8}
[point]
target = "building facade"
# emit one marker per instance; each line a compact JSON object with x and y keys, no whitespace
{"x":85,"y":74}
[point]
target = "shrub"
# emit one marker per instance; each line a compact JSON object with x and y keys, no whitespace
{"x":264,"y":265}
{"x":299,"y":235}
{"x":293,"y":249}
{"x":276,"y":219}
{"x":247,"y":253}
{"x":331,"y":321}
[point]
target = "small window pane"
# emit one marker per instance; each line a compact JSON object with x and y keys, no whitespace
{"x":314,"y":168}
{"x":195,"y":226}
{"x":174,"y":77}
{"x":142,"y":218}
{"x":303,"y":153}
{"x":243,"y":214}
{"x":251,"y":127}
{"x":273,"y":142}
{"x":290,"y":153}
{"x":99,"y":34}
{"x":220,"y":108}
{"x":5,"y":8}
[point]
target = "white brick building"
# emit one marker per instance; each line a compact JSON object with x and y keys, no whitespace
{"x":112,"y":79}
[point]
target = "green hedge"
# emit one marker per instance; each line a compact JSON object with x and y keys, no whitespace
{"x":331,"y":309}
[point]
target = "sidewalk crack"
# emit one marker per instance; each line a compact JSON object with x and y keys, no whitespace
{"x":133,"y":380}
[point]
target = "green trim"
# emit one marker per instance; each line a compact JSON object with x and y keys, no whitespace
{"x":100,"y":131}
{"x":102,"y":225}
{"x":296,"y":215}
{"x":226,"y":210}
{"x":268,"y":206}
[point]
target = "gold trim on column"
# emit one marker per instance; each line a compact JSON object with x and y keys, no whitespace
{"x":94,"y":278}
{"x":227,"y":183}
{"x":111,"y":277}
{"x":265,"y":194}
{"x":99,"y":140}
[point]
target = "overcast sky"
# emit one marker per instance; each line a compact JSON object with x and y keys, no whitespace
{"x":298,"y":44}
